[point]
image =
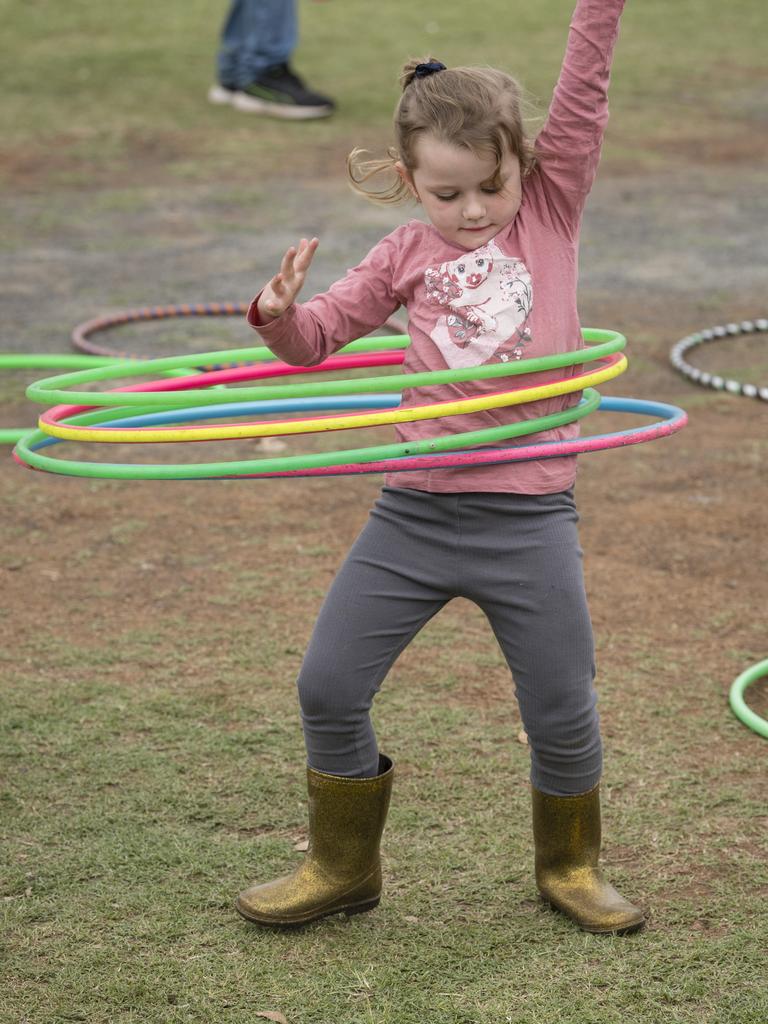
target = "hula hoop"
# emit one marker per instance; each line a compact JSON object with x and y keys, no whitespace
{"x":713,"y":380}
{"x":210,"y":412}
{"x":49,"y":422}
{"x":82,"y":333}
{"x":229,"y":375}
{"x":672,"y":420}
{"x":26,"y":361}
{"x":739,"y":707}
{"x":50,"y":389}
{"x":22,"y":452}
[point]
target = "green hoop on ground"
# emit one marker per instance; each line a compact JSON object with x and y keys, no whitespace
{"x":739,"y":706}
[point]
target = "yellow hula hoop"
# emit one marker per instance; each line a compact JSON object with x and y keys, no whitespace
{"x":230,"y":431}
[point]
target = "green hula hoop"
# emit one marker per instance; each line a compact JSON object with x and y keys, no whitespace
{"x":26,"y":361}
{"x":739,"y":707}
{"x":51,"y":390}
{"x":45,"y":361}
{"x":212,"y":470}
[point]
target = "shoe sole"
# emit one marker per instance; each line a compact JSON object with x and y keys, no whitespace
{"x":627,"y":929}
{"x":247,"y":104}
{"x":350,"y":911}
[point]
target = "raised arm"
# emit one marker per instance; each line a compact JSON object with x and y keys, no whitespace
{"x":307,"y":333}
{"x":568,"y":146}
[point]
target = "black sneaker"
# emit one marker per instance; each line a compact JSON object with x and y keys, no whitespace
{"x":277,"y":92}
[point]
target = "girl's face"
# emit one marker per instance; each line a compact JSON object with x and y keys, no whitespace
{"x":455,"y":188}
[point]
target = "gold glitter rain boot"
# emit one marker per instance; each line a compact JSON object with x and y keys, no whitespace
{"x":566,"y":834}
{"x":341,"y":871}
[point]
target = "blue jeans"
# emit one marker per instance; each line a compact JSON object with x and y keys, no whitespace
{"x":256,"y":35}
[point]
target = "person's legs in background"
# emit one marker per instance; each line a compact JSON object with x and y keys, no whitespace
{"x":257,"y":34}
{"x":254,"y":73}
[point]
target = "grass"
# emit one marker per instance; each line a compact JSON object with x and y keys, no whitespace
{"x":141,"y":789}
{"x":150,"y":751}
{"x":141,"y":792}
{"x":118,"y":94}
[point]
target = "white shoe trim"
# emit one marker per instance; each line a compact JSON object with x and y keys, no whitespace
{"x":248,"y":104}
{"x":220,"y":96}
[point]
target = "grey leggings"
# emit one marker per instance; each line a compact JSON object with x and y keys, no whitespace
{"x":517,"y":556}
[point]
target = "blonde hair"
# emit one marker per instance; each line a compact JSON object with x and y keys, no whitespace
{"x":479,"y":109}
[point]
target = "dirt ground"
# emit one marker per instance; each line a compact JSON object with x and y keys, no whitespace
{"x":673,"y":532}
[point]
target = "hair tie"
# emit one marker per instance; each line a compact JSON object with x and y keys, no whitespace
{"x":430,"y":68}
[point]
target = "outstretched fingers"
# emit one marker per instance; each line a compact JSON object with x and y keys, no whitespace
{"x":305,"y":254}
{"x":286,"y":263}
{"x":295,"y":263}
{"x":282,"y":290}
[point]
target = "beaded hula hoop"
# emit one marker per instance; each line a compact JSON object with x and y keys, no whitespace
{"x":713,"y":380}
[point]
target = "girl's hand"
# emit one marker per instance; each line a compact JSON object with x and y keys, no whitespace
{"x":282,"y":290}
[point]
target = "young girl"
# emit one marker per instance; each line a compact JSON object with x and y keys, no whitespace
{"x":491,"y":278}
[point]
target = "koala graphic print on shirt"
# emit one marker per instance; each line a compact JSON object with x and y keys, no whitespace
{"x":486,"y":298}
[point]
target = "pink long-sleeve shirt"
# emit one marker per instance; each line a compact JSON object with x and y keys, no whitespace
{"x":524,"y":307}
